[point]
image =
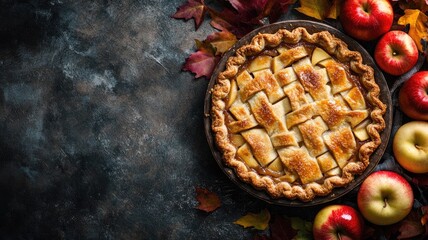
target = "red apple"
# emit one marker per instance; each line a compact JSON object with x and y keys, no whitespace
{"x":413,"y":96}
{"x":366,"y":19}
{"x":410,"y":146}
{"x":396,"y":53}
{"x":337,"y":222}
{"x":385,"y":197}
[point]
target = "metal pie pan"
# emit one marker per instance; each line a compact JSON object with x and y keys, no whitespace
{"x":385,"y":96}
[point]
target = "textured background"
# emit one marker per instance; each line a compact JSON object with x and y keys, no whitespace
{"x":101,"y":134}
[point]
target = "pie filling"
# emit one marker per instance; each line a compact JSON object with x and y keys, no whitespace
{"x":296,"y":118}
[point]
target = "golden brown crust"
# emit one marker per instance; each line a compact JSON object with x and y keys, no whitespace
{"x":310,"y":188}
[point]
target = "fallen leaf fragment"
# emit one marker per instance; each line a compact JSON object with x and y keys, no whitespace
{"x":424,"y":218}
{"x":259,"y":221}
{"x":410,"y":229}
{"x":334,"y":11}
{"x":420,"y":180}
{"x":208,"y":201}
{"x":221,"y":41}
{"x":280,"y":228}
{"x":195,"y":9}
{"x":318,"y":9}
{"x":418,"y":23}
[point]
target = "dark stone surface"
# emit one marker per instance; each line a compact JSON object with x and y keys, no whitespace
{"x":101,"y":134}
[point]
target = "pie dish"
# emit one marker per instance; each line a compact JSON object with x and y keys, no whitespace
{"x":296,"y":114}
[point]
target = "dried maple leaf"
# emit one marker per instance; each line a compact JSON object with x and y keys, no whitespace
{"x":334,"y":10}
{"x":281,"y":229}
{"x":249,"y":11}
{"x":195,"y":9}
{"x":418,"y":23}
{"x":410,"y":227}
{"x":208,"y":201}
{"x":320,"y":9}
{"x":259,"y":221}
{"x":275,"y":8}
{"x":221,"y":41}
{"x":424,"y":218}
{"x":228,"y":20}
{"x":420,"y":180}
{"x":413,"y":4}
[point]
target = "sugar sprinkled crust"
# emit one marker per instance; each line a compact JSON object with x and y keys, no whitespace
{"x":333,"y":46}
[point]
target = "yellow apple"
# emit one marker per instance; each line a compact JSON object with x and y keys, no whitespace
{"x":319,"y":55}
{"x":410,"y":146}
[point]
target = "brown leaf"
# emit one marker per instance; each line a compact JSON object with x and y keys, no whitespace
{"x":334,"y":10}
{"x":208,"y":201}
{"x":418,"y":23}
{"x":414,"y":4}
{"x":192,"y":9}
{"x":258,"y":221}
{"x":410,"y":229}
{"x":424,"y":218}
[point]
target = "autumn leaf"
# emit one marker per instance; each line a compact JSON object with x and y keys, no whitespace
{"x":320,"y":9}
{"x":303,"y":228}
{"x":334,"y":10}
{"x":227,"y":20}
{"x":410,"y":229}
{"x":413,"y":4}
{"x":259,"y":221}
{"x":280,"y":228}
{"x":221,"y":41}
{"x":420,"y":180}
{"x":275,"y":8}
{"x":424,"y":218}
{"x":208,"y":201}
{"x":418,"y":23}
{"x":192,"y":9}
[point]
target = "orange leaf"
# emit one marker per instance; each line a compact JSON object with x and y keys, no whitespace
{"x":259,"y":221}
{"x":208,"y":201}
{"x":418,"y":23}
{"x":320,"y":9}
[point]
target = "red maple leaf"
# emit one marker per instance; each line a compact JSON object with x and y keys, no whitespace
{"x":208,"y":201}
{"x":195,"y":9}
{"x":229,"y":20}
{"x":203,"y":61}
{"x":420,"y":180}
{"x":281,"y":229}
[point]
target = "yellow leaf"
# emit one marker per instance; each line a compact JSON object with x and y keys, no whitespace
{"x":417,"y":21}
{"x":222,"y":41}
{"x":318,"y":9}
{"x":259,"y":221}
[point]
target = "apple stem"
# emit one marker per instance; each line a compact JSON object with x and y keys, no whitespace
{"x":385,"y":201}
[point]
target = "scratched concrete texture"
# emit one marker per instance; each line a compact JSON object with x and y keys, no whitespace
{"x":101,"y":134}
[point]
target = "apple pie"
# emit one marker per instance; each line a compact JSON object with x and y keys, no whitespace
{"x":296,"y":114}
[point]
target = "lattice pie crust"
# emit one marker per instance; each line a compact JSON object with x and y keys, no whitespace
{"x":297,"y":114}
